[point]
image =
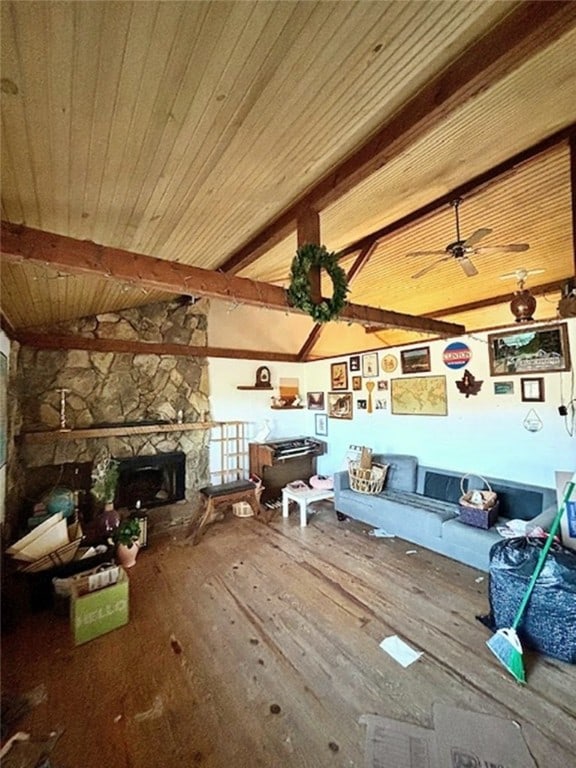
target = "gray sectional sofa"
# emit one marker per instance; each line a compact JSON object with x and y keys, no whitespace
{"x":420,"y":504}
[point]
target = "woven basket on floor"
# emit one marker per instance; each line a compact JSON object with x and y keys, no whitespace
{"x":367,"y":480}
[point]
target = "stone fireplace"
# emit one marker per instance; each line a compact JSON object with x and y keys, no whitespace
{"x":137,"y":407}
{"x":151,"y":481}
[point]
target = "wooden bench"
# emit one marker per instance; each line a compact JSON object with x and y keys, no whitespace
{"x":224,"y":495}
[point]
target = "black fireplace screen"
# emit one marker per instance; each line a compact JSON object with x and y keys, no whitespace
{"x":151,"y":481}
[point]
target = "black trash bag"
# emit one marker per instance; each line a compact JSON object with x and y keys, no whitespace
{"x":549,"y":622}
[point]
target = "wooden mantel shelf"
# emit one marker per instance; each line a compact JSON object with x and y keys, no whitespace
{"x":83,"y":434}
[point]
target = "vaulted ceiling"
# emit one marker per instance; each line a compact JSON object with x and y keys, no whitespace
{"x":194,"y":136}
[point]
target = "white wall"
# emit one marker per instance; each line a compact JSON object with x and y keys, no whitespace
{"x":5,"y":350}
{"x":482,"y":433}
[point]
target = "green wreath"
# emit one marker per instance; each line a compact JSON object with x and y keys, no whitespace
{"x":308,"y":256}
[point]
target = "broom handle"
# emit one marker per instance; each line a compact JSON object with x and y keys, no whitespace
{"x":553,"y":530}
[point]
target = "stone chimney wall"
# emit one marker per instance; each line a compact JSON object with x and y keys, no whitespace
{"x":108,"y":388}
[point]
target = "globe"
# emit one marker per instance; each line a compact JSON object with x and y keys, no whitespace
{"x":59,"y":500}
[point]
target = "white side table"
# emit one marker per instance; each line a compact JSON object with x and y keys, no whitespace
{"x":303,"y":498}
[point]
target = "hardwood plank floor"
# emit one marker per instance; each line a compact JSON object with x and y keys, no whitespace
{"x":259,"y":647}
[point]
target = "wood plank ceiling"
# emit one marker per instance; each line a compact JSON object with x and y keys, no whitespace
{"x":194,"y":133}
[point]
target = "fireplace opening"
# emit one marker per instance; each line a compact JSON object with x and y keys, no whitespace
{"x":151,"y":481}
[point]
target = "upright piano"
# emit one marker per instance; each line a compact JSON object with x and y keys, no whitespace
{"x":282,"y":461}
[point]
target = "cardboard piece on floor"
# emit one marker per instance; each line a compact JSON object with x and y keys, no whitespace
{"x":393,"y":744}
{"x":470,"y":738}
{"x":459,"y":738}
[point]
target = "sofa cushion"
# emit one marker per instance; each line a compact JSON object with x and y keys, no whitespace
{"x":402,"y":471}
{"x":462,"y":535}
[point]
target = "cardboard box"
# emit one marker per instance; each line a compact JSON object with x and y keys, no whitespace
{"x":95,"y":613}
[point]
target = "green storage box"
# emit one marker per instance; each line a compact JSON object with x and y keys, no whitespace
{"x":95,"y":613}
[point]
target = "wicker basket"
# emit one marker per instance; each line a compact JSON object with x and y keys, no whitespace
{"x":242,"y":509}
{"x":478,"y":508}
{"x":367,"y":480}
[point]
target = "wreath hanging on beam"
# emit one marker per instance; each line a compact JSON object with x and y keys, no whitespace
{"x":307,"y":257}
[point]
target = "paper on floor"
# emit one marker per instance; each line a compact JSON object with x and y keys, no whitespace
{"x":399,"y":650}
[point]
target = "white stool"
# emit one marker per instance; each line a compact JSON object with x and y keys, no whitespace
{"x":303,"y":498}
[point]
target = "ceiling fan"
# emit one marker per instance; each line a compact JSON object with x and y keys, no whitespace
{"x":461,"y":250}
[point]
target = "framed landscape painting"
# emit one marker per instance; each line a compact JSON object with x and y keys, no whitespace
{"x":315,"y":401}
{"x":534,"y":350}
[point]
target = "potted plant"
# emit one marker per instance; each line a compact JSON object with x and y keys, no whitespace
{"x":105,"y":474}
{"x":126,"y":536}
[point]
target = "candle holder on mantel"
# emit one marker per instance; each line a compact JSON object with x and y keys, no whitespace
{"x":63,"y":426}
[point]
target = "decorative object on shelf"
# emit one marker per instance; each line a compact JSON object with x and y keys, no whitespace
{"x":415,"y":360}
{"x":389,"y":363}
{"x":338,"y":375}
{"x":311,"y":256}
{"x":532,"y":390}
{"x":535,"y":350}
{"x":468,"y":385}
{"x":370,"y":365}
{"x":63,"y":426}
{"x":263,"y":377}
{"x":126,"y":537}
{"x":104,"y":477}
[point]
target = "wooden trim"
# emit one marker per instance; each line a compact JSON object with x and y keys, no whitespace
{"x":96,"y":432}
{"x":503,"y":298}
{"x":527,"y":29}
{"x":50,"y":341}
{"x":573,"y":194}
{"x":21,"y":243}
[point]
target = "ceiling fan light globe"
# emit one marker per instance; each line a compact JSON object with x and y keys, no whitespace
{"x":523,"y":306}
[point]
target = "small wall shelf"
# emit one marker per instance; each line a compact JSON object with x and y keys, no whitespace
{"x":256,"y":388}
{"x":286,"y":407}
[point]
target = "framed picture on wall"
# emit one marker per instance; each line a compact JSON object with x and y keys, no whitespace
{"x":370,"y":365}
{"x":315,"y":401}
{"x":356,"y":383}
{"x":532,"y":390}
{"x":415,"y":360}
{"x":355,"y":363}
{"x":340,"y":405}
{"x":321,"y":424}
{"x":339,"y":376}
{"x":534,"y":350}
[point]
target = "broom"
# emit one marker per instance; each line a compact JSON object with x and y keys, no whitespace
{"x":505,"y":644}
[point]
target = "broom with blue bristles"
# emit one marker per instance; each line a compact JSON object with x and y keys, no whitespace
{"x":505,"y":644}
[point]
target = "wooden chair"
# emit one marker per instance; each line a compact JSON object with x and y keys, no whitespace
{"x":225,"y":495}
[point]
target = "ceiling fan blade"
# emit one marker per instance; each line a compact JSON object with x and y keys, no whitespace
{"x":467,"y":266}
{"x":426,"y":253}
{"x":475,"y":237}
{"x":510,"y":248}
{"x":430,"y":267}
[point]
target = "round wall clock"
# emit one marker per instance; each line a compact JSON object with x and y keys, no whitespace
{"x":389,"y":363}
{"x":263,"y":376}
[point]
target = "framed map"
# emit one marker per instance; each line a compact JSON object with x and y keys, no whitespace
{"x":419,"y":396}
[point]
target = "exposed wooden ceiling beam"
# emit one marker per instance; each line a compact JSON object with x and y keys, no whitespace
{"x":20,"y":243}
{"x":527,"y":29}
{"x":49,"y":341}
{"x":503,"y":298}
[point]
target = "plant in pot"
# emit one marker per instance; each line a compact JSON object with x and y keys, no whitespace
{"x":126,"y":538}
{"x":102,"y":518}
